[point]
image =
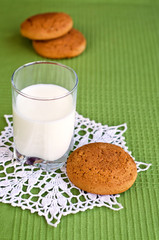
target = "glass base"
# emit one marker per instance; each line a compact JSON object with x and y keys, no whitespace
{"x":41,"y":163}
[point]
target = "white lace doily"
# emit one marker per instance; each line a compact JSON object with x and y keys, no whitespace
{"x":51,"y":194}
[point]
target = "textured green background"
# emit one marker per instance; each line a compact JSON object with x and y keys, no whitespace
{"x":118,"y":82}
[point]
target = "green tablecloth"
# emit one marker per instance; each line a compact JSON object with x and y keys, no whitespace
{"x":118,"y":82}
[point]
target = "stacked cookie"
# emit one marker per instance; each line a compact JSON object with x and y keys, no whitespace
{"x":53,"y":35}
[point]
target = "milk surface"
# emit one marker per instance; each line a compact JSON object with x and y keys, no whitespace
{"x":43,"y":128}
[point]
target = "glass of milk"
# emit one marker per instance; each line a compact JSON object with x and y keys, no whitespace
{"x":44,"y":102}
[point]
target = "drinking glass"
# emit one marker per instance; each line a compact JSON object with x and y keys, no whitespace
{"x":44,"y":102}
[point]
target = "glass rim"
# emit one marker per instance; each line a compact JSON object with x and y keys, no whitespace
{"x":44,"y":98}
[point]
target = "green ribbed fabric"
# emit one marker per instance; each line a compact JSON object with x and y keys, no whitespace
{"x":118,"y":83}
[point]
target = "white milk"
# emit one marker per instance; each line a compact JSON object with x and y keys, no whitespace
{"x":43,"y":129}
